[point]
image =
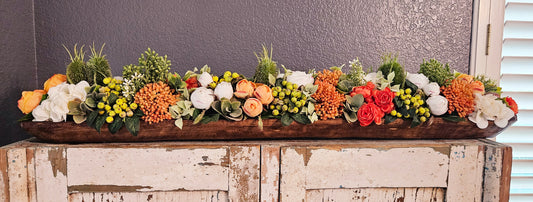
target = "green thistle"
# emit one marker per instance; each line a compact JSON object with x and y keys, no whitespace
{"x":76,"y":70}
{"x":265,"y":66}
{"x":98,"y":66}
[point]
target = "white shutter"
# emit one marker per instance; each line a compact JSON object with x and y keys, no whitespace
{"x":517,"y":81}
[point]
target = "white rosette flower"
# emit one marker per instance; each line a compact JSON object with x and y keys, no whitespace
{"x":224,"y":90}
{"x":488,"y":108}
{"x":202,"y":98}
{"x":431,"y":89}
{"x":55,"y":107}
{"x":420,"y":80}
{"x":300,"y":78}
{"x":205,"y":79}
{"x":42,"y":112}
{"x":438,"y":105}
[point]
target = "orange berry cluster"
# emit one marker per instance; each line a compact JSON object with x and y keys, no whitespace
{"x":331,"y":77}
{"x":460,"y":97}
{"x":154,"y":100}
{"x":329,"y":100}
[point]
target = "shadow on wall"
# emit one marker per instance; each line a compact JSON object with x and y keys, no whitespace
{"x":224,"y":35}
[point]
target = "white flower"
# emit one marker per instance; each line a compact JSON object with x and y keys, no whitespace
{"x":78,"y":91}
{"x":373,"y":77}
{"x":202,"y":98}
{"x":42,"y":112}
{"x":420,"y":80}
{"x":300,"y":78}
{"x":55,"y":107}
{"x":438,"y":105}
{"x":431,"y":89}
{"x":205,"y":79}
{"x":488,"y":108}
{"x":224,"y":90}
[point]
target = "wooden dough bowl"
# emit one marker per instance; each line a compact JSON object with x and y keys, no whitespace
{"x":435,"y":128}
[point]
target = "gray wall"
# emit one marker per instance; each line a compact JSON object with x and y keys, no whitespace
{"x":224,"y":34}
{"x":17,"y":64}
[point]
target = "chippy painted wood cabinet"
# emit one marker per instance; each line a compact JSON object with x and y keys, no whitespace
{"x":320,"y":170}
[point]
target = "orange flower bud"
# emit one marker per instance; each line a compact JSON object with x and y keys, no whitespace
{"x":55,"y":80}
{"x":465,"y":77}
{"x":244,"y":89}
{"x":252,"y":107}
{"x":478,"y":87}
{"x":264,"y":94}
{"x":30,"y":100}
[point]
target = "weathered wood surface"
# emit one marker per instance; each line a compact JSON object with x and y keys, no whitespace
{"x":155,"y":169}
{"x":425,"y":194}
{"x":270,"y":159}
{"x":293,"y":170}
{"x":169,"y":196}
{"x":435,"y":128}
{"x":344,"y":167}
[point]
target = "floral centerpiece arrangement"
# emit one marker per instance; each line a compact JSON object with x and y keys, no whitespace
{"x":148,"y":92}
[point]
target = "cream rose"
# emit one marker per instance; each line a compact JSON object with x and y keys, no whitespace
{"x":202,"y":98}
{"x":438,"y":105}
{"x":205,"y":79}
{"x":224,"y":90}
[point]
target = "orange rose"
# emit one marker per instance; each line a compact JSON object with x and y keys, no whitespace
{"x":252,"y":107}
{"x":30,"y":100}
{"x":244,"y":89}
{"x":465,"y":77}
{"x":264,"y":94}
{"x":55,"y":80}
{"x":478,"y":87}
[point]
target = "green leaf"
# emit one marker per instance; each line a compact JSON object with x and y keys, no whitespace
{"x":301,"y":118}
{"x":100,"y":120}
{"x":286,"y":119}
{"x":79,"y":118}
{"x":452,"y":118}
{"x":390,"y":118}
{"x":260,"y":123}
{"x":310,"y":108}
{"x":313,"y":117}
{"x":350,"y":116}
{"x":210,"y":118}
{"x":133,"y":125}
{"x":179,"y":123}
{"x":115,"y":126}
{"x":90,"y":102}
{"x":411,"y":85}
{"x":416,"y":122}
{"x":199,"y":117}
{"x":26,"y":117}
{"x":112,"y":98}
{"x":91,"y":118}
{"x":271,"y":79}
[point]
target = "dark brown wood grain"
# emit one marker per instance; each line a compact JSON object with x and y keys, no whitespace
{"x":436,"y":128}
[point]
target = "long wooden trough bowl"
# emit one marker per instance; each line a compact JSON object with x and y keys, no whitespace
{"x":435,"y":128}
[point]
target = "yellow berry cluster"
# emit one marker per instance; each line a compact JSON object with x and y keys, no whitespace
{"x":114,"y":107}
{"x":412,"y":100}
{"x":227,"y":77}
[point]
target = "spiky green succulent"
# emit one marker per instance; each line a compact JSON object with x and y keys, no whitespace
{"x":265,"y":66}
{"x":77,"y":69}
{"x":391,"y":64}
{"x":97,"y":66}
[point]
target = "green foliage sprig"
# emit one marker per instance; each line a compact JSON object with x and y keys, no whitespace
{"x":391,"y":64}
{"x":152,"y":68}
{"x":489,"y":84}
{"x":436,"y":72}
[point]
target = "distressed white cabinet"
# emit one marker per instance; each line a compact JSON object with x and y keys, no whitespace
{"x":320,"y":170}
